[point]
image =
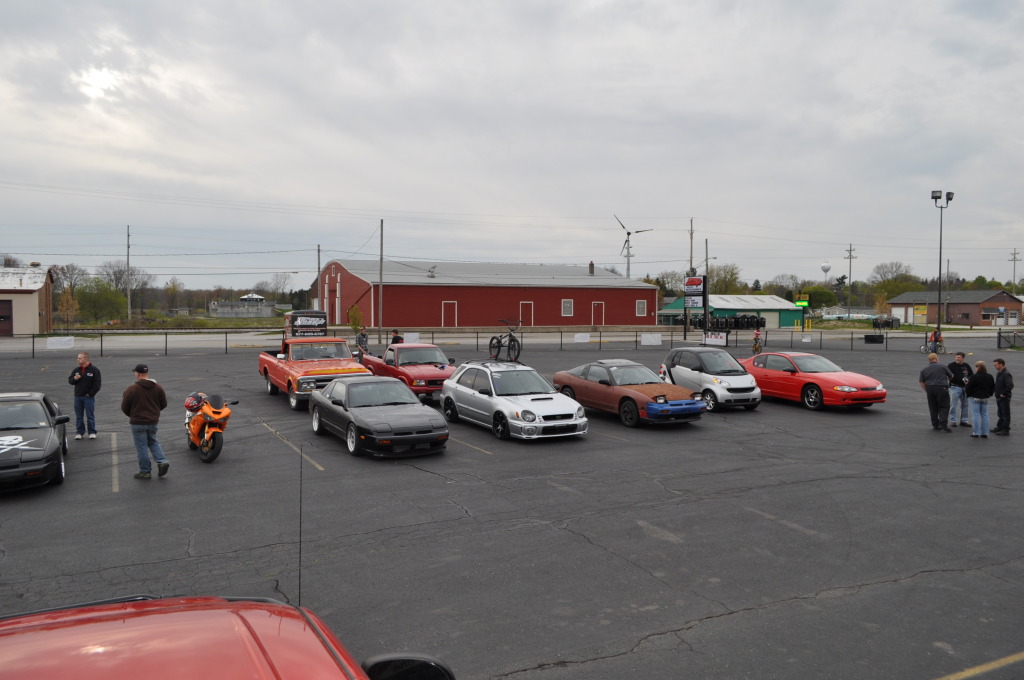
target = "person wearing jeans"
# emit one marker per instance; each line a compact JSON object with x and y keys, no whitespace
{"x":1004,"y":390}
{"x":86,"y":381}
{"x":142,"y":403}
{"x":979,"y":390}
{"x":957,"y":397}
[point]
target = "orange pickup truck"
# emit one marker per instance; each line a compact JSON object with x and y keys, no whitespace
{"x":306,"y":364}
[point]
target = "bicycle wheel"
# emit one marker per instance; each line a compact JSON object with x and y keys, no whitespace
{"x":514,"y":348}
{"x":494,"y":347}
{"x":940,"y":348}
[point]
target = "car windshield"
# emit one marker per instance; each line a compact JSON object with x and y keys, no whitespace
{"x":508,"y":383}
{"x":812,"y":363}
{"x":633,"y":375}
{"x":720,"y":363}
{"x":22,"y":415}
{"x":410,"y":356}
{"x":321,"y":350}
{"x":380,"y":394}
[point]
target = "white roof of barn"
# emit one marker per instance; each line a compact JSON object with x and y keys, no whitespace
{"x":749,"y":302}
{"x":426,"y":273}
{"x":23,"y":278}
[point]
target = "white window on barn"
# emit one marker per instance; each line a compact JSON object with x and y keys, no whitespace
{"x":641,"y":307}
{"x":566,"y":307}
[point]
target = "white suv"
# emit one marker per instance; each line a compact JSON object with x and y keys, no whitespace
{"x":511,"y":399}
{"x":713,"y":372}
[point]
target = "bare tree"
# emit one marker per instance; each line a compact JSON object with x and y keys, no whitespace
{"x":11,"y":261}
{"x":69,"y":276}
{"x":279,"y":284}
{"x":888,"y":271}
{"x":173,"y":289}
{"x":119,"y":275}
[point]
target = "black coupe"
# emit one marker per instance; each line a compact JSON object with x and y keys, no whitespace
{"x":377,"y":416}
{"x":33,"y":441}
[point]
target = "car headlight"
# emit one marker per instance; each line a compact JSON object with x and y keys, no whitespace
{"x":381,"y":427}
{"x":419,"y":383}
{"x":660,"y":399}
{"x":723,"y":383}
{"x":579,"y":412}
{"x":879,"y":387}
{"x":528,"y":416}
{"x":844,"y":388}
{"x":307,"y":384}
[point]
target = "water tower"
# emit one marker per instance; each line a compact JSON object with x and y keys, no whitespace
{"x":825,"y":267}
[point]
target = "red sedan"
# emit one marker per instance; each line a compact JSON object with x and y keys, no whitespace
{"x":189,"y":637}
{"x":813,"y":380}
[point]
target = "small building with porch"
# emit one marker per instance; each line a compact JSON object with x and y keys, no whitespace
{"x":26,"y":300}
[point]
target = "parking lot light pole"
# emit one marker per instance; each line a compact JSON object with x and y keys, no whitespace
{"x":937,"y":196}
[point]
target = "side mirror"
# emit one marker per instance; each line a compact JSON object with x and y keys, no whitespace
{"x":389,"y":362}
{"x":603,"y":382}
{"x":61,"y":420}
{"x":789,"y":370}
{"x":282,"y":356}
{"x":451,"y":361}
{"x":486,"y":392}
{"x":406,"y":667}
{"x":338,"y":402}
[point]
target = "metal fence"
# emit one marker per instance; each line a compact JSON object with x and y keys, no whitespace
{"x":166,"y":343}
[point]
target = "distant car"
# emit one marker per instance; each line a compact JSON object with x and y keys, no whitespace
{"x":511,"y":399}
{"x":190,"y":637}
{"x":633,"y":391}
{"x":377,"y":416}
{"x":714,"y":373}
{"x":422,"y":367}
{"x":33,"y":440}
{"x":812,"y":380}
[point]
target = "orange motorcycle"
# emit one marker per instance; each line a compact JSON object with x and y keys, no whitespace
{"x":205,"y":420}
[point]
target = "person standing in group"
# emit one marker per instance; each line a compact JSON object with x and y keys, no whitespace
{"x":957,"y":398}
{"x":363,"y":340}
{"x":142,"y":403}
{"x":86,"y":379}
{"x":978,"y":391}
{"x":934,"y":380}
{"x":1003,"y":391}
{"x":395,"y":337}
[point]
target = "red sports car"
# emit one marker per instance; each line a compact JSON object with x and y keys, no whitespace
{"x":813,"y":380}
{"x":189,"y":637}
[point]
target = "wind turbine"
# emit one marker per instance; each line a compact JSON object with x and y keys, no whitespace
{"x":626,"y":249}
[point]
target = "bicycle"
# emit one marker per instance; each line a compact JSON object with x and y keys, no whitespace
{"x":756,"y":348}
{"x":926,"y":348}
{"x":507,"y":341}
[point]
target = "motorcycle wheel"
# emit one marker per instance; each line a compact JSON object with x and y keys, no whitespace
{"x":210,"y":447}
{"x":191,"y":445}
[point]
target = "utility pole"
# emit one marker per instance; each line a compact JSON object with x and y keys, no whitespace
{"x":1015,"y":260}
{"x":380,"y":286}
{"x":128,"y":273}
{"x":849,"y":281}
{"x":689,"y":272}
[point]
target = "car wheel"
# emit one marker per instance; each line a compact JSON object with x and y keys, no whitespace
{"x":352,"y":439}
{"x":751,"y":407}
{"x":812,"y":397}
{"x":271,"y":387}
{"x":318,"y":426}
{"x":449,"y":410}
{"x":58,"y":475}
{"x":64,"y":445}
{"x":628,"y":413}
{"x":499,"y":426}
{"x":710,"y":399}
{"x":293,"y":399}
{"x":569,"y":392}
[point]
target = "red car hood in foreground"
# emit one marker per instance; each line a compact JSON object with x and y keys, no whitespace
{"x":194,"y":638}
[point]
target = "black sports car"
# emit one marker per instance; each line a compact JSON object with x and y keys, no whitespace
{"x":33,"y":441}
{"x":377,"y":416}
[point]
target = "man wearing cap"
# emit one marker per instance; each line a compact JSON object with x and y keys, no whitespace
{"x":142,"y":403}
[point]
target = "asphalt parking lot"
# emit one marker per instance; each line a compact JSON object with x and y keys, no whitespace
{"x":776,"y":543}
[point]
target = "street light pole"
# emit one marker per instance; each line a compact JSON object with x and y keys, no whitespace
{"x":937,"y":196}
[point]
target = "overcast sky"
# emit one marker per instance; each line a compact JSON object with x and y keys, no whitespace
{"x":236,"y":137}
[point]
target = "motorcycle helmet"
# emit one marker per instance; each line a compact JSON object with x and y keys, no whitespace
{"x":195,"y":401}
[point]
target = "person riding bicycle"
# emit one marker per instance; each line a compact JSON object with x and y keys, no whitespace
{"x":757,"y":340}
{"x":934,"y":338}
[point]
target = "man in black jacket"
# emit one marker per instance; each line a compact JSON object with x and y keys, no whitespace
{"x":1004,"y":389}
{"x":86,"y":379}
{"x":962,"y":372}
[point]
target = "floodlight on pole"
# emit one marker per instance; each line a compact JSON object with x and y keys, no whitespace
{"x":937,"y":196}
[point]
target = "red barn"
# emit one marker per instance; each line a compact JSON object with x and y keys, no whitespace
{"x":450,"y":295}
